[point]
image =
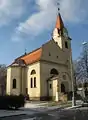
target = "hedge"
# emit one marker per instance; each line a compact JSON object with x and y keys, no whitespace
{"x":11,"y":102}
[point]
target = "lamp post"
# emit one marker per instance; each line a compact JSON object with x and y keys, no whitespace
{"x":73,"y":82}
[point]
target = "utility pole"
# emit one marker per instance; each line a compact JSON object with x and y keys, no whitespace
{"x":73,"y":82}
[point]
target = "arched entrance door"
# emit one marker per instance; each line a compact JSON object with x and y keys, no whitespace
{"x":63,"y":88}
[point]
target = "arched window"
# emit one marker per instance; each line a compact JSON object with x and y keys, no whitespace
{"x":31,"y":83}
{"x":33,"y":72}
{"x":34,"y":81}
{"x":14,"y":83}
{"x":54,"y":71}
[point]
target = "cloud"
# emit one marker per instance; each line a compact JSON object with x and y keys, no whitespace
{"x":74,"y":11}
{"x":9,"y":10}
{"x":39,"y":21}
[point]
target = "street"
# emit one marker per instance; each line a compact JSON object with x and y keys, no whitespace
{"x":72,"y":114}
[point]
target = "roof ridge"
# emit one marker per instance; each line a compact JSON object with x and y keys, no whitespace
{"x":32,"y":51}
{"x":28,"y":53}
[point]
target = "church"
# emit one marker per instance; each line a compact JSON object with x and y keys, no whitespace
{"x":44,"y":71}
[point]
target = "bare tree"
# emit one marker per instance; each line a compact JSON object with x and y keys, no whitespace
{"x":81,"y":65}
{"x":2,"y":78}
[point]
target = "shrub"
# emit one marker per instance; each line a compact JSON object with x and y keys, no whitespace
{"x":10,"y":102}
{"x":70,"y":94}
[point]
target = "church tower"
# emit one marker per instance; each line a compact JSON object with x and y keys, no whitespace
{"x":60,"y":35}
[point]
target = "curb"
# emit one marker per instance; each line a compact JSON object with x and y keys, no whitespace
{"x":73,"y":107}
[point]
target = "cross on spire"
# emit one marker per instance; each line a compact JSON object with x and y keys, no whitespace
{"x":58,"y":5}
{"x":25,"y":51}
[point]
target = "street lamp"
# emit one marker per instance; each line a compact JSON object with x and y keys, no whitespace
{"x":73,"y":82}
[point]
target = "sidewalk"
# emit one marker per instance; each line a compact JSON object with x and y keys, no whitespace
{"x":30,"y":109}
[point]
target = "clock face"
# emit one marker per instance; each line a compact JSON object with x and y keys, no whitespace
{"x":65,"y":32}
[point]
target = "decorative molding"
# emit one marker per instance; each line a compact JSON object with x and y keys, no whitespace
{"x":50,"y":62}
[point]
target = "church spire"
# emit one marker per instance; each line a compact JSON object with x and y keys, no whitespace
{"x":59,"y":22}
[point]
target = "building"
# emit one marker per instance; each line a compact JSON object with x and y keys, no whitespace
{"x":44,"y":71}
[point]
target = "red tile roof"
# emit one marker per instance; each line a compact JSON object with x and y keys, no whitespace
{"x":31,"y":57}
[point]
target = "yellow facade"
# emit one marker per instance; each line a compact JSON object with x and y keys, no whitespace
{"x":34,"y":93}
{"x":42,"y":68}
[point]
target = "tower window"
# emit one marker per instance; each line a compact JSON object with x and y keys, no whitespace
{"x":14,"y":83}
{"x":66,"y":44}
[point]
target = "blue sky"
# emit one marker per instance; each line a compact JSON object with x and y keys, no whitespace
{"x":27,"y":24}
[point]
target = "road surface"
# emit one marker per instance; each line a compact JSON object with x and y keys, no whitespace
{"x":72,"y":114}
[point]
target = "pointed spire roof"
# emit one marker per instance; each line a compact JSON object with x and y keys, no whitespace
{"x":59,"y":22}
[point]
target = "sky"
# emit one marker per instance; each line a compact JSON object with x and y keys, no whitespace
{"x":27,"y":24}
